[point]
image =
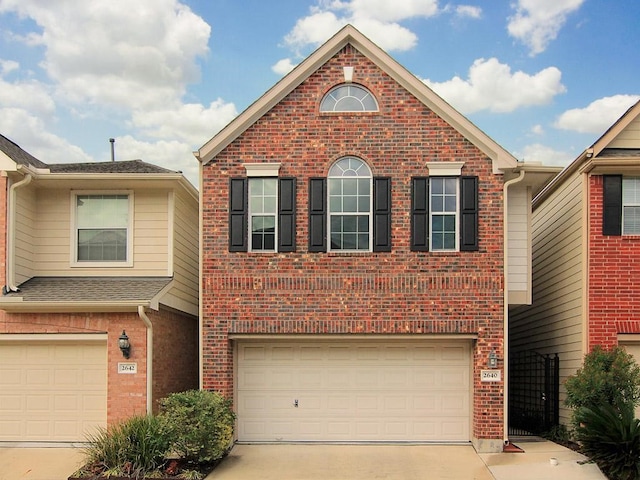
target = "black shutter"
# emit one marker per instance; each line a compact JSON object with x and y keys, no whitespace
{"x":317,"y":214}
{"x":381,"y":214}
{"x":468,"y":214}
{"x":612,"y":205}
{"x":287,"y":215}
{"x":238,"y":215}
{"x":420,"y":214}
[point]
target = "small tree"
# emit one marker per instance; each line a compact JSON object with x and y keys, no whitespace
{"x":607,"y":377}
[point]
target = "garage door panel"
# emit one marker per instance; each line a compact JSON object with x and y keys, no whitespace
{"x":354,"y":392}
{"x":58,"y":389}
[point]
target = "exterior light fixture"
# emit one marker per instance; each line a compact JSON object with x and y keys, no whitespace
{"x":493,"y":359}
{"x":123,"y":343}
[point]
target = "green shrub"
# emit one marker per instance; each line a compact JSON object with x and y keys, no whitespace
{"x":609,"y":377}
{"x":611,"y":438}
{"x":135,"y":447}
{"x":199,"y":423}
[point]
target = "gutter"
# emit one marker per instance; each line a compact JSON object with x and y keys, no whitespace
{"x":11,"y":235}
{"x":147,"y":323}
{"x":505,"y":334}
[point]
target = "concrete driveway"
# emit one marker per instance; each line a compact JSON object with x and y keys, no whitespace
{"x":56,"y":463}
{"x":402,"y":462}
{"x":341,"y":462}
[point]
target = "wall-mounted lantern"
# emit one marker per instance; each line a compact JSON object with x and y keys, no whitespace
{"x":123,"y":343}
{"x":493,"y":359}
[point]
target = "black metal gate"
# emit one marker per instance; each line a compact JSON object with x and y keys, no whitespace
{"x":534,"y":384}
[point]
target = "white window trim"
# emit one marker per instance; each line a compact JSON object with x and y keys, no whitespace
{"x":457,"y":220}
{"x":370,"y":214}
{"x":250,"y":216}
{"x":262,"y":169}
{"x":624,"y":205}
{"x":74,"y":231}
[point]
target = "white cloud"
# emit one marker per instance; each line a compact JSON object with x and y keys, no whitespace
{"x":537,"y":130}
{"x":31,"y":95}
{"x":191,"y":123}
{"x":8,"y":66}
{"x":284,"y":66}
{"x":377,"y":19}
{"x":545,"y":155}
{"x":117,"y":53}
{"x":536,"y":23}
{"x":468,"y":11}
{"x":30,"y":133}
{"x":598,"y":116}
{"x":492,"y":86}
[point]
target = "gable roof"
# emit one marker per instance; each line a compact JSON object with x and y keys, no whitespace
{"x":601,"y":156}
{"x":18,"y":155}
{"x":126,"y":166}
{"x":502,"y":160}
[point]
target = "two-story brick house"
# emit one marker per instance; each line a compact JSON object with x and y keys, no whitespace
{"x":354,"y":258}
{"x":586,"y":255}
{"x":92,"y":252}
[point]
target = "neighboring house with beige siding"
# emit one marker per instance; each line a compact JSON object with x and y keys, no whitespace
{"x":586,"y":256}
{"x":91,"y":251}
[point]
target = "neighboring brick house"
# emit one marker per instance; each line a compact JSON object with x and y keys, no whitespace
{"x":353,"y":258}
{"x":89,"y":251}
{"x":586,"y":255}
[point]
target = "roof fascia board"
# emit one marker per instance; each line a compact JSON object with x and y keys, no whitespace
{"x":615,"y":129}
{"x":502,"y":160}
{"x":18,"y":305}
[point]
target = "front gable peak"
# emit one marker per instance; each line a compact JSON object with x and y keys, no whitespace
{"x":349,"y":35}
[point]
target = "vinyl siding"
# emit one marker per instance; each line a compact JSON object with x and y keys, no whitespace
{"x":629,"y":137}
{"x":24,"y":239}
{"x":184,"y":294}
{"x":53,"y":236}
{"x":553,"y":324}
{"x":518,"y":261}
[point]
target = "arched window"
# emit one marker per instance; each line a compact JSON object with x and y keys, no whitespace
{"x":349,"y":98}
{"x":350,"y":191}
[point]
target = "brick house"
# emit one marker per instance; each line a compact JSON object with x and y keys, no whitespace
{"x":586,"y":255}
{"x":356,"y":261}
{"x":89,"y":252}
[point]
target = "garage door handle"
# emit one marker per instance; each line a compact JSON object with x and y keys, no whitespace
{"x":295,"y":403}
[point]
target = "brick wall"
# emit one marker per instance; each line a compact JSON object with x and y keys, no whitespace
{"x":400,"y":292}
{"x":126,"y":393}
{"x":614,"y":271}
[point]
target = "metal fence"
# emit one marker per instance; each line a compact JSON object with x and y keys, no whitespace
{"x":534,"y":399}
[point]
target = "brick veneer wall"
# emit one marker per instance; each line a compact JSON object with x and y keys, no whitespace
{"x":400,"y":292}
{"x":127,"y":394}
{"x":614,"y":270}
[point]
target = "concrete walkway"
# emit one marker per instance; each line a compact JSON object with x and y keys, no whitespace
{"x":341,"y":462}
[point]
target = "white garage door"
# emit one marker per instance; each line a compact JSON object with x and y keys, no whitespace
{"x":52,"y":390}
{"x":366,"y":391}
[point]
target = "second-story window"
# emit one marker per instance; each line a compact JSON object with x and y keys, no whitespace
{"x":443,"y":213}
{"x":631,"y":206}
{"x":263,"y":213}
{"x":102,"y":228}
{"x":349,"y":97}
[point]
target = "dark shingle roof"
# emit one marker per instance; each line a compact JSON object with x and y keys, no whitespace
{"x":90,"y":289}
{"x":18,"y":155}
{"x":128,"y":166}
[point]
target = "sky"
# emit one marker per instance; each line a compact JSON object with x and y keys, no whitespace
{"x":543,"y":78}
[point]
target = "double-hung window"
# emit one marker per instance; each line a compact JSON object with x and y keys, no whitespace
{"x":263,"y":214}
{"x":103,"y":228}
{"x":444,"y":211}
{"x":352,"y":206}
{"x":621,"y":205}
{"x":262,"y":211}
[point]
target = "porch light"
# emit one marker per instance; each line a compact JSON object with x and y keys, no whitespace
{"x":123,"y":343}
{"x":493,"y":359}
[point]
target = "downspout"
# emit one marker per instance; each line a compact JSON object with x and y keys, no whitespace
{"x":147,"y":323}
{"x":11,"y":234}
{"x":505,"y":335}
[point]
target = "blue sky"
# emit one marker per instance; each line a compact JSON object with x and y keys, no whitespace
{"x":544,"y":78}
